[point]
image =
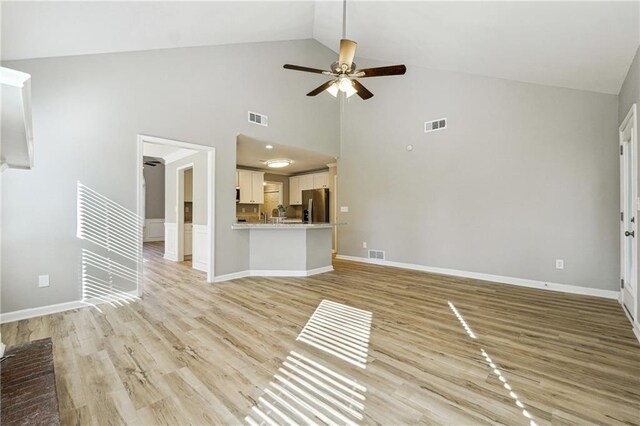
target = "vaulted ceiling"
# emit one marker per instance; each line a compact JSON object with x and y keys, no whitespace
{"x":582,"y":45}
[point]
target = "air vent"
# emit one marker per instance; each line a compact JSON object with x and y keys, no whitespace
{"x":260,"y":119}
{"x":376,"y":254}
{"x":432,"y":126}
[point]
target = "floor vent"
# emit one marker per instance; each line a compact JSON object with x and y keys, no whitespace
{"x":432,"y":126}
{"x":260,"y":119}
{"x":376,"y":254}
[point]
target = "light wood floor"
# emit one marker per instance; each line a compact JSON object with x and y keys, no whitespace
{"x":194,"y":353}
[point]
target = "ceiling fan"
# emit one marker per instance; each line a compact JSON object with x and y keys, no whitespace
{"x":152,"y":163}
{"x":345,"y":71}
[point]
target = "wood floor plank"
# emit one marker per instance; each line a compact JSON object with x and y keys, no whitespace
{"x":189,"y":352}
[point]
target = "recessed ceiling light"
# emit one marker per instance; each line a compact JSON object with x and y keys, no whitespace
{"x":269,"y":146}
{"x":276,"y":164}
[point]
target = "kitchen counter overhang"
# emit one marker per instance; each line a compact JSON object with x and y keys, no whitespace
{"x":290,"y":249}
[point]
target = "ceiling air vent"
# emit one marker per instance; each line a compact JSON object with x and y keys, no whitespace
{"x":432,"y":126}
{"x":376,"y":254}
{"x":260,"y":119}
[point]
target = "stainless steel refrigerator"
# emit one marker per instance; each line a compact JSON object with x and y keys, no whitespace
{"x":315,"y":203}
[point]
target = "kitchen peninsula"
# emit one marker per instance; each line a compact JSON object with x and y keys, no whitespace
{"x":288,"y":249}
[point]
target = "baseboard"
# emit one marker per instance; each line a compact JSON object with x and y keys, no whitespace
{"x":544,"y":285}
{"x":152,"y":239}
{"x":200,"y":266}
{"x":52,"y":309}
{"x":170,"y":256}
{"x":40,"y":311}
{"x":231,"y":276}
{"x":273,"y":273}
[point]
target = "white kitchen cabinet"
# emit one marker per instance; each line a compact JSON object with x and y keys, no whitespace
{"x":306,"y":182}
{"x":320,"y":180}
{"x":297,"y":184}
{"x":295,"y":195}
{"x":257,"y":187}
{"x":188,"y":239}
{"x":251,"y":187}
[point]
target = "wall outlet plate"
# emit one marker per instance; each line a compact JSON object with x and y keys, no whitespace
{"x":559,"y":264}
{"x":43,"y":280}
{"x":344,"y":209}
{"x":364,"y":245}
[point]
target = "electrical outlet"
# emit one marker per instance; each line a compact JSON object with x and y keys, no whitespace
{"x":244,"y":210}
{"x":364,"y":245}
{"x":43,"y":280}
{"x":255,"y":210}
{"x":344,"y":209}
{"x":559,"y":264}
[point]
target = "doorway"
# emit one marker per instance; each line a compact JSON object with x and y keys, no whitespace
{"x":177,"y":157}
{"x":628,"y":213}
{"x":273,"y":197}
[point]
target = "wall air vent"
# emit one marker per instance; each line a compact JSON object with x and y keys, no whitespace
{"x":376,"y":254}
{"x":432,"y":126}
{"x":260,"y":119}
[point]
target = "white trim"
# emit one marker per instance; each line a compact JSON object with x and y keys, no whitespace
{"x":630,"y":123}
{"x":52,"y":309}
{"x":200,"y":248}
{"x":273,"y":273}
{"x":13,"y":77}
{"x":522,"y":282}
{"x":149,"y":225}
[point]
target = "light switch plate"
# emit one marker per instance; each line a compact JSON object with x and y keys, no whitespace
{"x":344,"y":209}
{"x":43,"y":280}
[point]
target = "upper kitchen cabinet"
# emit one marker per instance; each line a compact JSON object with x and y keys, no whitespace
{"x":295,"y":195}
{"x":320,"y":180}
{"x":251,"y":185}
{"x":297,"y":184}
{"x":16,"y":146}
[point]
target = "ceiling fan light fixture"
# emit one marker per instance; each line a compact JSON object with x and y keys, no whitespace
{"x":277,"y":164}
{"x":350,"y":91}
{"x":333,"y":89}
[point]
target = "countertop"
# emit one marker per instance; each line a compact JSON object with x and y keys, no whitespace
{"x":283,"y":226}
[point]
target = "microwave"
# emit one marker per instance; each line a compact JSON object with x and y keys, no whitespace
{"x":237,"y":195}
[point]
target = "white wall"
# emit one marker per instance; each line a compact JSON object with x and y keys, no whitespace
{"x":525,"y":174}
{"x":87,"y":113}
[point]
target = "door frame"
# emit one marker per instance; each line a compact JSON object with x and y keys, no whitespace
{"x":630,"y":121}
{"x":211,"y":199}
{"x":180,"y":212}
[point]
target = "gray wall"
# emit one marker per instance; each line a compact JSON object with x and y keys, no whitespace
{"x":93,"y":107}
{"x":630,"y":91}
{"x":154,"y":191}
{"x":525,"y":174}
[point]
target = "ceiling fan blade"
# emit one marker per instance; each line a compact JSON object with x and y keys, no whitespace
{"x":321,"y":88}
{"x":347,"y":52}
{"x":306,"y":69}
{"x":381,"y":71}
{"x":363,"y":92}
{"x":146,"y":163}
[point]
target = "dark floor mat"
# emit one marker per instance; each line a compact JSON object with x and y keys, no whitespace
{"x":28,"y":386}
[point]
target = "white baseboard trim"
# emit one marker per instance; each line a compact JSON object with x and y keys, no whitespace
{"x":152,"y":239}
{"x":231,"y":276}
{"x":273,"y":273}
{"x":170,"y":256}
{"x":52,"y":309}
{"x":40,"y":311}
{"x":544,"y":285}
{"x":200,"y":266}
